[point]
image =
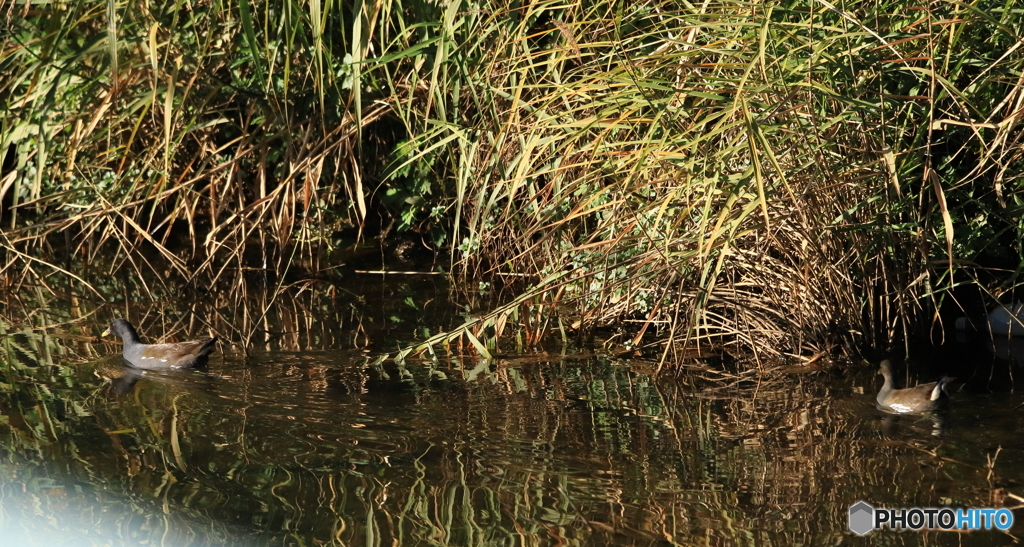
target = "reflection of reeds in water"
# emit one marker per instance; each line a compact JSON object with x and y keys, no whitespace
{"x":578,"y":451}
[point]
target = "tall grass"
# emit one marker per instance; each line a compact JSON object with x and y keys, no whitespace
{"x":783,"y":177}
{"x":213,"y":137}
{"x":789,"y":176}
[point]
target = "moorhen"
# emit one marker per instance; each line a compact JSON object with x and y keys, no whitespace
{"x":159,"y":356}
{"x":922,"y":398}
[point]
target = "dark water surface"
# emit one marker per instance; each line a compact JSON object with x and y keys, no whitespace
{"x":323,"y":448}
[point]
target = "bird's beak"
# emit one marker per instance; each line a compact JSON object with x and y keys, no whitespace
{"x":106,"y":332}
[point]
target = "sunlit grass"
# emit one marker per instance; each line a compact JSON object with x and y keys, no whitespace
{"x":785,"y":178}
{"x":737,"y":169}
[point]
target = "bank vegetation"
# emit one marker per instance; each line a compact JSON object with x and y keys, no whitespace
{"x":789,"y":177}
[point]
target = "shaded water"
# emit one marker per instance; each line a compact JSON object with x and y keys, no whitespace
{"x":322,"y":447}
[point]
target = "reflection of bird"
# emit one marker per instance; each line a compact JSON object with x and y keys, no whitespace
{"x":121,"y":378}
{"x":920,"y":398}
{"x":123,"y":385}
{"x":159,"y":356}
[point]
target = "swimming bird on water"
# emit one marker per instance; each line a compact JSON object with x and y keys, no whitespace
{"x":159,"y":356}
{"x":920,"y":398}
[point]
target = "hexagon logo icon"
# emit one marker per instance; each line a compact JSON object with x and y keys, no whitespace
{"x":862,"y":518}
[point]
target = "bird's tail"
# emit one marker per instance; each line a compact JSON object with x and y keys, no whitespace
{"x":940,"y":387}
